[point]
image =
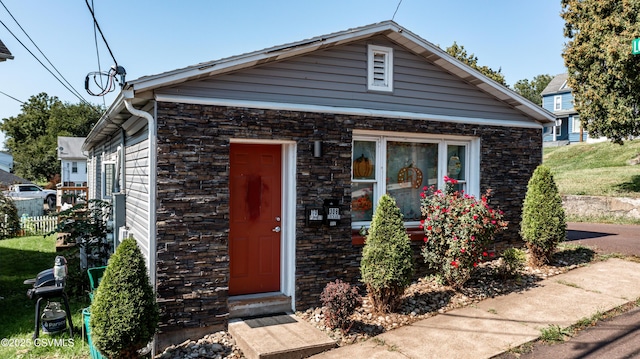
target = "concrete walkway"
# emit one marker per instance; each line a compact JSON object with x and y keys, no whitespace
{"x":498,"y":324}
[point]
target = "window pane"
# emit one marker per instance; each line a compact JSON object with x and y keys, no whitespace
{"x":109,"y":176}
{"x":364,"y":160}
{"x":576,"y":124}
{"x":410,"y":166}
{"x":362,"y":201}
{"x":456,"y":164}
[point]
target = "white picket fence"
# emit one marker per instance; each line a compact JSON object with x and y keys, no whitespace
{"x":37,"y":225}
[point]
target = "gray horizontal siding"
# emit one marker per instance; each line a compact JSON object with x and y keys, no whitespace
{"x":338,"y":77}
{"x":138,"y":197}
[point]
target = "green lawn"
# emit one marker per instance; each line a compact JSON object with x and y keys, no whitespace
{"x":20,"y":259}
{"x":596,"y":169}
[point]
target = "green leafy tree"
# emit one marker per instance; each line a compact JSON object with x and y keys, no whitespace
{"x":603,"y":73}
{"x":532,"y":90}
{"x":32,"y":136}
{"x":124,"y":313}
{"x":461,"y":54}
{"x":387,"y":262}
{"x":543,"y":223}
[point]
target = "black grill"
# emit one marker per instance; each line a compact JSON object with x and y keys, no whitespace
{"x":44,"y":287}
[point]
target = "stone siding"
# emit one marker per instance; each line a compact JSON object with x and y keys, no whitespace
{"x":193,"y":197}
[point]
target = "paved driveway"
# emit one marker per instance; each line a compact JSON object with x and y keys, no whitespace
{"x":606,"y":238}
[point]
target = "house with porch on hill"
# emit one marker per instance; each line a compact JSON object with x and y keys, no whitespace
{"x":249,"y":178}
{"x":557,"y":98}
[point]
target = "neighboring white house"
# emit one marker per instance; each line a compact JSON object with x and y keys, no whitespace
{"x":73,"y":164}
{"x":6,"y":162}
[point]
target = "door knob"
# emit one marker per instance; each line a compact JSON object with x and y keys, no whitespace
{"x":277,"y":229}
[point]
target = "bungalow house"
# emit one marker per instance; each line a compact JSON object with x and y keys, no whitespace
{"x":557,"y":97}
{"x":246,"y":180}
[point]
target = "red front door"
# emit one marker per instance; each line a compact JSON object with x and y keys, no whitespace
{"x":255,"y":191}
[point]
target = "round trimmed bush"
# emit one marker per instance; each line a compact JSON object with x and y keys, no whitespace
{"x":387,"y":262}
{"x":124,"y":313}
{"x":543,"y":223}
{"x":340,"y":300}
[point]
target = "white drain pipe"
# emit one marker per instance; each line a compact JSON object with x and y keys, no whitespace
{"x":128,"y":96}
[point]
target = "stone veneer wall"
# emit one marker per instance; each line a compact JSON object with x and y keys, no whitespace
{"x":193,"y":197}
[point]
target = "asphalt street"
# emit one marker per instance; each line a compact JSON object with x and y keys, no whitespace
{"x":606,"y":238}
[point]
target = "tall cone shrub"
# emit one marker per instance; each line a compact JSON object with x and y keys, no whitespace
{"x":124,"y":313}
{"x":543,"y":223}
{"x":387,"y":262}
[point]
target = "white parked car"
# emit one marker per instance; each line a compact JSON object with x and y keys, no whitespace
{"x":48,"y":196}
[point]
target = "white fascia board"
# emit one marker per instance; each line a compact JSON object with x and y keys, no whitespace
{"x":462,"y":70}
{"x":116,"y":107}
{"x":342,"y":111}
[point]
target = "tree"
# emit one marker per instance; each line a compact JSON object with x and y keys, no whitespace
{"x":387,"y":261}
{"x":532,"y":90}
{"x":124,"y":313}
{"x":460,"y":53}
{"x":543,"y":223}
{"x":604,"y":75}
{"x":32,"y":136}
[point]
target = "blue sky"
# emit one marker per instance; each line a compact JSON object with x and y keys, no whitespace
{"x":522,"y":37}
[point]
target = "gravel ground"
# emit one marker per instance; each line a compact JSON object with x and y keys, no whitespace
{"x":424,"y":298}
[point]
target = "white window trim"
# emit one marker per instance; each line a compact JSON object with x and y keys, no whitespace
{"x":373,"y":50}
{"x":558,"y":127}
{"x":472,"y":163}
{"x":557,"y":103}
{"x":103,"y":190}
{"x":575,"y":124}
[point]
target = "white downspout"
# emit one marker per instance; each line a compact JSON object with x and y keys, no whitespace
{"x":128,"y":95}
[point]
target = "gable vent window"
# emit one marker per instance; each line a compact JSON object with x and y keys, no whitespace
{"x":380,"y":68}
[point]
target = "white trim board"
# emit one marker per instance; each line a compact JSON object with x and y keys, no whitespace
{"x":342,"y":110}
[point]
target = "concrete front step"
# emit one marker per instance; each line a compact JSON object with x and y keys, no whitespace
{"x":281,"y":336}
{"x":253,"y":305}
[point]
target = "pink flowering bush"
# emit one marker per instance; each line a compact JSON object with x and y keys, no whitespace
{"x":459,"y":231}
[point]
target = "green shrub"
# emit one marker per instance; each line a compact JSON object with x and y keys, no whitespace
{"x":458,"y":230}
{"x":124,"y":313}
{"x":387,"y":262}
{"x":340,"y":300}
{"x":543,"y":223}
{"x":10,"y":224}
{"x":512,"y":262}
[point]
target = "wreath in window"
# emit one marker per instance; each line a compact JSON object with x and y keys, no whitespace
{"x":410,"y":174}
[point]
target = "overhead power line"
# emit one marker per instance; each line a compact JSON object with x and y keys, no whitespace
{"x":68,"y":85}
{"x":95,"y":21}
{"x":95,"y":41}
{"x":11,"y":97}
{"x":397,"y":7}
{"x":43,"y":65}
{"x":97,"y":75}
